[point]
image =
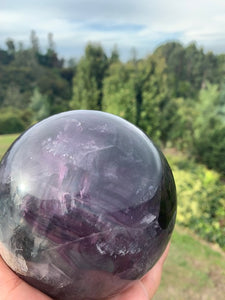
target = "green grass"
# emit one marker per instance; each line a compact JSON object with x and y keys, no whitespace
{"x":5,"y":141}
{"x":193,"y":270}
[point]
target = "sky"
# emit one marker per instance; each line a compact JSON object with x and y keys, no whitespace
{"x":128,"y":24}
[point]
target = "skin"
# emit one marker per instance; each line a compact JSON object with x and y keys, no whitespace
{"x":12,"y":287}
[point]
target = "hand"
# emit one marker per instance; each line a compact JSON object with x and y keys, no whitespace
{"x":12,"y":287}
{"x":145,"y":288}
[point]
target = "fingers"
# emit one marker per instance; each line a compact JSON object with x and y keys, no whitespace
{"x":12,"y":287}
{"x":151,"y":281}
{"x":145,"y":288}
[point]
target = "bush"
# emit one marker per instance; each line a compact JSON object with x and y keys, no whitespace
{"x":201,"y":199}
{"x":210,"y":149}
{"x":11,"y":121}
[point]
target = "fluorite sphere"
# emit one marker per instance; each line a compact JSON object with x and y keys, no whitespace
{"x":87,"y":205}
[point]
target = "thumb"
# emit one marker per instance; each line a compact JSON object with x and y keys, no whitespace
{"x":12,"y":287}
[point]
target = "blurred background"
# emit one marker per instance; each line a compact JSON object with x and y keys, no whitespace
{"x":158,"y":64}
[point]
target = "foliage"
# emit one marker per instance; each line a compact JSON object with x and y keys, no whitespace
{"x":209,"y":128}
{"x":119,"y":93}
{"x":22,"y":70}
{"x":178,"y":125}
{"x":39,"y":105}
{"x":11,"y":121}
{"x":153,"y":83}
{"x":201,"y":199}
{"x":88,"y":81}
{"x":176,"y":94}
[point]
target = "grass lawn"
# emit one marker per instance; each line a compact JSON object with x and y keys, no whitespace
{"x":194,"y":270}
{"x":5,"y":142}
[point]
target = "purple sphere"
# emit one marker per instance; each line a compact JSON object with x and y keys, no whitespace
{"x":88,"y":205}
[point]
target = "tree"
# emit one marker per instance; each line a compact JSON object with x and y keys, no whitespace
{"x":5,"y":58}
{"x":211,"y":68}
{"x":13,"y":97}
{"x":34,"y":42}
{"x":10,"y":47}
{"x":194,"y":66}
{"x":88,"y":80}
{"x":119,"y":93}
{"x":221,"y":68}
{"x":209,"y":128}
{"x":11,"y":120}
{"x":39,"y":105}
{"x":179,"y":114}
{"x":115,"y":57}
{"x":174,"y":55}
{"x":154,"y":92}
{"x":50,"y":58}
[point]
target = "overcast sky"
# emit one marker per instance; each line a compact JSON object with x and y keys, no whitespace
{"x":143,"y":24}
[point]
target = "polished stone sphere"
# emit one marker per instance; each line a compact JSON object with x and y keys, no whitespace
{"x":87,"y":205}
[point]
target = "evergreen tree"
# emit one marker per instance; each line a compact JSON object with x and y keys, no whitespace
{"x":88,"y":80}
{"x":209,"y":128}
{"x":119,"y":92}
{"x":39,"y":105}
{"x":154,"y":93}
{"x":34,"y":42}
{"x":115,"y":57}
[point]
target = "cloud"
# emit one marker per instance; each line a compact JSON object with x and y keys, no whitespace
{"x":142,"y":24}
